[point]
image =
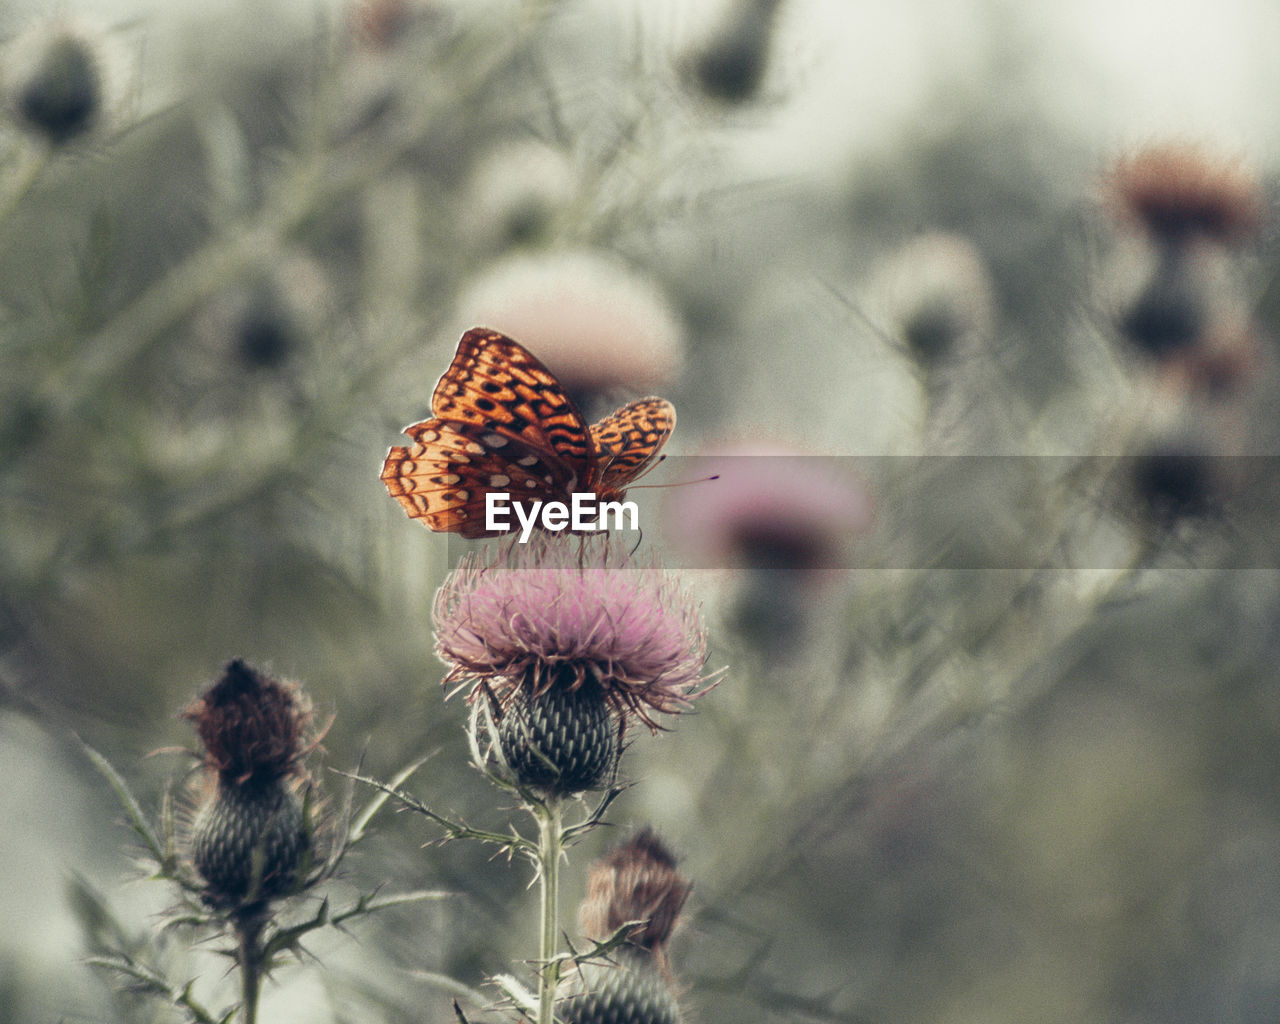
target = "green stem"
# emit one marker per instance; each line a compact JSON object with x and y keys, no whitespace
{"x":249,"y":932}
{"x":550,"y":846}
{"x":33,"y":160}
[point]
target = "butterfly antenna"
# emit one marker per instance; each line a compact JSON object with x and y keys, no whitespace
{"x":652,"y":466}
{"x":677,"y":483}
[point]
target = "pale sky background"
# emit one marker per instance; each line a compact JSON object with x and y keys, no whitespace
{"x":1131,"y":69}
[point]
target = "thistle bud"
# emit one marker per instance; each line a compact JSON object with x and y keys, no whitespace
{"x":936,"y":292}
{"x":247,"y":844}
{"x":1170,"y":314}
{"x":264,"y":334}
{"x":636,"y":881}
{"x":1176,"y":482}
{"x":562,"y":738}
{"x":733,"y":64}
{"x":56,"y":83}
{"x":248,"y":839}
{"x":629,"y":990}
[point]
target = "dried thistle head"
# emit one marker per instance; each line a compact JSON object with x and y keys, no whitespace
{"x":1176,"y":191}
{"x":635,"y":881}
{"x":250,"y":836}
{"x":253,"y":726}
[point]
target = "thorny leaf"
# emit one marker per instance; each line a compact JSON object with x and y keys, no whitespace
{"x":361,"y":823}
{"x":148,"y":981}
{"x":454,"y":829}
{"x":289,"y":938}
{"x":137,"y":820}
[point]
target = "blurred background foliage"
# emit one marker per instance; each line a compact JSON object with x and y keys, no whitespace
{"x":1039,"y":787}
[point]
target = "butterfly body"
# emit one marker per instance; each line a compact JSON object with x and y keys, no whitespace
{"x":502,"y":422}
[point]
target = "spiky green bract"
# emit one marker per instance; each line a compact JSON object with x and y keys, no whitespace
{"x":247,"y":844}
{"x":563,"y":740}
{"x":628,"y":990}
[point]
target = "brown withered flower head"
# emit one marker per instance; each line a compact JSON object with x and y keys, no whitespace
{"x":1178,"y":191}
{"x":253,"y":726}
{"x":635,"y":881}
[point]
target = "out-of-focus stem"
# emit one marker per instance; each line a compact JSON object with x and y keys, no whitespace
{"x":31,"y":163}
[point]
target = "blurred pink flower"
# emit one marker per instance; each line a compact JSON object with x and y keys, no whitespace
{"x":1177,"y":191}
{"x":934,"y":292}
{"x":528,"y":617}
{"x":772,"y":507}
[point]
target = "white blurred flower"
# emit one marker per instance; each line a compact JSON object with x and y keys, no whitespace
{"x":261,"y":322}
{"x":515,"y":190}
{"x":935,"y":291}
{"x":597,"y":324}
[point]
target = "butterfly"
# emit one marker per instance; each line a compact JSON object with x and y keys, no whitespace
{"x":502,"y":422}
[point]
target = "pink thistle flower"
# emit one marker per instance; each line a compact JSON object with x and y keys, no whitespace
{"x":785,"y":521}
{"x":573,"y":614}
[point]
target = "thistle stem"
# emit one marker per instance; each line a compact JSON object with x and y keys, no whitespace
{"x":550,"y":847}
{"x":249,"y":931}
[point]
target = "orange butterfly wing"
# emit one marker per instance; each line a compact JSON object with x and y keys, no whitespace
{"x":443,"y":478}
{"x":503,"y":423}
{"x":628,"y":441}
{"x":495,"y":384}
